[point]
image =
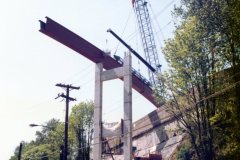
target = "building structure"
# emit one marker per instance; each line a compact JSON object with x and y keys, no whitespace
{"x":157,"y":133}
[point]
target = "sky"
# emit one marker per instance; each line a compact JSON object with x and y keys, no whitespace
{"x":32,"y":63}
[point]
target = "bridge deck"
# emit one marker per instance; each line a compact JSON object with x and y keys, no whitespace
{"x":91,"y":52}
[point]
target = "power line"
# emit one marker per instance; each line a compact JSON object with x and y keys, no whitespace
{"x":216,"y":84}
{"x":32,"y":107}
{"x":68,"y":99}
{"x":86,"y":82}
{"x":77,"y":73}
{"x":157,"y":26}
{"x":125,"y":26}
{"x":154,"y":18}
{"x":83,"y":76}
{"x":210,"y":96}
{"x":219,"y":92}
{"x":163,"y":9}
{"x":117,"y":106}
{"x":135,"y":34}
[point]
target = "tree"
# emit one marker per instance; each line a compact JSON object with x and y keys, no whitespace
{"x":203,"y":82}
{"x":188,"y":82}
{"x":49,"y":140}
{"x":81,"y":122}
{"x":50,"y":126}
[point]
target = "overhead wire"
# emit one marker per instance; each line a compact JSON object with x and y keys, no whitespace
{"x":117,"y":106}
{"x":113,"y":109}
{"x":84,"y":74}
{"x":219,"y":92}
{"x":89,"y":65}
{"x":206,"y":98}
{"x":86,"y":82}
{"x":222,"y":91}
{"x":224,"y":80}
{"x":137,"y":46}
{"x":77,"y":73}
{"x":134,"y":34}
{"x":31,"y":108}
{"x":159,"y":120}
{"x":129,"y":37}
{"x":160,"y":29}
{"x":237,"y":83}
{"x":163,"y":9}
{"x":230,"y":77}
{"x":155,"y":16}
{"x":158,"y":25}
{"x":168,"y":23}
{"x":114,"y":137}
{"x":125,"y":26}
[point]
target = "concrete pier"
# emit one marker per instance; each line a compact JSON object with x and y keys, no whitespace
{"x":124,"y":72}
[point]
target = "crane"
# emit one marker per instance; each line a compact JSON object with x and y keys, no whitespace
{"x":148,"y":42}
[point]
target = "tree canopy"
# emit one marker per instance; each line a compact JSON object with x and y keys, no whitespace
{"x":49,"y":140}
{"x":202,"y":83}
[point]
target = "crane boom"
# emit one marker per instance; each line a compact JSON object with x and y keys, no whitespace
{"x":132,"y":50}
{"x":147,"y":37}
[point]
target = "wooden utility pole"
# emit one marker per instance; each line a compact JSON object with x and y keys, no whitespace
{"x":68,"y":99}
{"x":20,"y":151}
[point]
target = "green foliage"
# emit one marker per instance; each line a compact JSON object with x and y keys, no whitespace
{"x":51,"y":137}
{"x":183,"y":153}
{"x":203,"y":82}
{"x":188,"y":83}
{"x":81,"y":124}
{"x":40,"y":152}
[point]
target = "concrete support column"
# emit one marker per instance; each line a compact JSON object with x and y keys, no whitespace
{"x":127,"y":140}
{"x":97,"y":137}
{"x":124,"y":72}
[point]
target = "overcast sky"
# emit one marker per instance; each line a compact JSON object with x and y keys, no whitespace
{"x":32,"y":63}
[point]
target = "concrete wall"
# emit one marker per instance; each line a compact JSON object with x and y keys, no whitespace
{"x":156,"y":132}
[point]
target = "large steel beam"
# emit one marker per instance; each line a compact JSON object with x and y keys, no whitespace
{"x":91,"y":52}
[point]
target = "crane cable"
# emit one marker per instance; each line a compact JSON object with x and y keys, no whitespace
{"x":125,"y":26}
{"x":134,"y":34}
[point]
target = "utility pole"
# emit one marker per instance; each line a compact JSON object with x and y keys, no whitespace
{"x":61,"y":152}
{"x":20,"y":151}
{"x":68,"y":99}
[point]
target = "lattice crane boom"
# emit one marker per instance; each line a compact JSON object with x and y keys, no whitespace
{"x":147,"y":38}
